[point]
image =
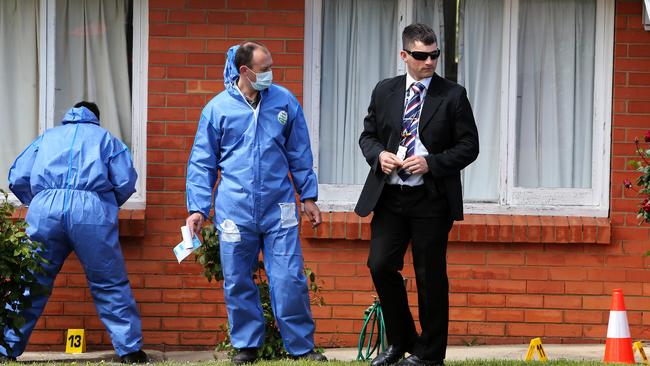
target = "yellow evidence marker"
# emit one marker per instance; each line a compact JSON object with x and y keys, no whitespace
{"x":536,"y":346}
{"x":75,"y":342}
{"x":638,"y":346}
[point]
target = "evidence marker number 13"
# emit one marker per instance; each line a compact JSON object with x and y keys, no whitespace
{"x":75,"y":341}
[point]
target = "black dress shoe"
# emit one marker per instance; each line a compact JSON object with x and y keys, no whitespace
{"x":389,"y":357}
{"x":135,"y":357}
{"x":311,"y":356}
{"x":414,"y":360}
{"x":244,"y":356}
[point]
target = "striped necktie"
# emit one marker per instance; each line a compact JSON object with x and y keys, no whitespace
{"x":410,"y":123}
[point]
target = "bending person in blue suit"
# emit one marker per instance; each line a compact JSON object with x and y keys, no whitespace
{"x":254,"y":134}
{"x":74,"y":177}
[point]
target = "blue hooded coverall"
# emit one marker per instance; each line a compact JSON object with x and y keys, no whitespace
{"x":74,"y":177}
{"x":254,"y":151}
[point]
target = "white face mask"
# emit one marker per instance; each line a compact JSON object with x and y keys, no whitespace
{"x":264,"y":80}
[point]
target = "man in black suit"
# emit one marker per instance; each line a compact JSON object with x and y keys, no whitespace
{"x":418,"y":135}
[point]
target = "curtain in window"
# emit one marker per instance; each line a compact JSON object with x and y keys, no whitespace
{"x":479,"y":70}
{"x":19,"y":80}
{"x":431,"y":13}
{"x":92,"y":62}
{"x":359,"y":48}
{"x":555,"y":91}
{"x":361,"y":40}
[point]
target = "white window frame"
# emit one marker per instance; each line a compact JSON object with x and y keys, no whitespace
{"x":47,"y":57}
{"x":512,"y":200}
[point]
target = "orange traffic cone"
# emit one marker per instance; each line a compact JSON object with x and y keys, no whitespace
{"x":619,"y":343}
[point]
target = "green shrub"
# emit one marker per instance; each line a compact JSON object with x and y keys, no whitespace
{"x":19,"y":262}
{"x":643,"y":181}
{"x":642,"y":166}
{"x":208,"y":256}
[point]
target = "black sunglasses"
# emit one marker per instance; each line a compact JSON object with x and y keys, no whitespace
{"x":422,"y":56}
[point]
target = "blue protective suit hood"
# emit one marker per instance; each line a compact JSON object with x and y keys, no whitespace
{"x":80,"y":115}
{"x":230,"y":72}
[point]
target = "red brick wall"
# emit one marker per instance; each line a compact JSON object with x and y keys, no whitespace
{"x":631,"y":118}
{"x":512,"y":277}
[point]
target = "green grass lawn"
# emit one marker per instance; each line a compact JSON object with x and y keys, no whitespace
{"x":334,"y":363}
{"x":513,"y":363}
{"x":449,"y":363}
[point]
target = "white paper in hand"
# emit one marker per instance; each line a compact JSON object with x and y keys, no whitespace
{"x":187,"y":237}
{"x":181,"y":252}
{"x":187,"y":246}
{"x":401,"y":152}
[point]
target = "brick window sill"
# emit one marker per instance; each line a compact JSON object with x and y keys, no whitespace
{"x":131,"y":221}
{"x":480,"y":229}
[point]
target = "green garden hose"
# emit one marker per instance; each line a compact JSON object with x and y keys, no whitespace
{"x":373,"y":317}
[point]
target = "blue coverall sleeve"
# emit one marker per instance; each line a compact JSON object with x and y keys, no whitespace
{"x":300,"y":157}
{"x":121,"y":172}
{"x":21,"y":171}
{"x":202,"y":165}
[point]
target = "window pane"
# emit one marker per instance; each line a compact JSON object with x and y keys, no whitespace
{"x":92,"y":60}
{"x":359,"y":48}
{"x":555,"y":88}
{"x":479,"y":70}
{"x":19,"y":80}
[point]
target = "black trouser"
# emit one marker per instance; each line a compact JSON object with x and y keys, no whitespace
{"x":406,"y":215}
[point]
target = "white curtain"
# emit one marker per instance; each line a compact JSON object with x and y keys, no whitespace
{"x":92,"y":62}
{"x":431,"y":13}
{"x":359,"y":48}
{"x":19,"y":80}
{"x":360,"y":44}
{"x":479,"y":70}
{"x":555,"y":93}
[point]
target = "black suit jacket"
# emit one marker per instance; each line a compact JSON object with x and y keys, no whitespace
{"x":447,"y":129}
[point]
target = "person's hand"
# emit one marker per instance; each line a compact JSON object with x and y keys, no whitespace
{"x":416,"y":165}
{"x":313,"y":212}
{"x":194,"y":222}
{"x":389,"y":161}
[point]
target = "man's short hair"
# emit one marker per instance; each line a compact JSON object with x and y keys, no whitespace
{"x":418,"y":32}
{"x":244,"y":54}
{"x":90,"y":105}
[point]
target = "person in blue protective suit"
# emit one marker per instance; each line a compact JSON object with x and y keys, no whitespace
{"x":254,"y":134}
{"x":74,"y":177}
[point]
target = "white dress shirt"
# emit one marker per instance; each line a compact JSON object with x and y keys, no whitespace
{"x":420,"y":150}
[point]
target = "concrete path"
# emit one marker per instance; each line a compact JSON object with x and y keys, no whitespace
{"x":507,"y":352}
